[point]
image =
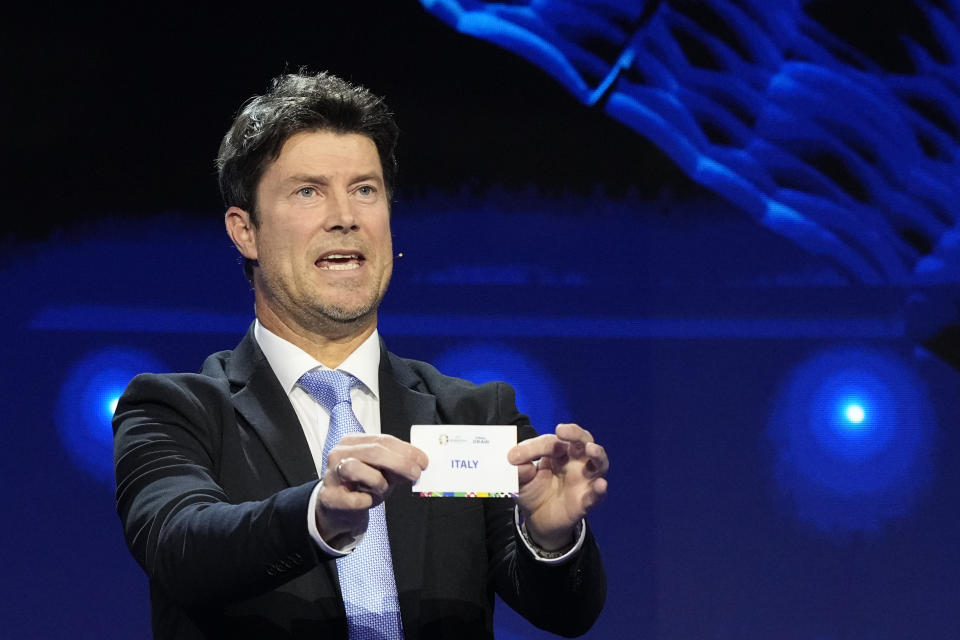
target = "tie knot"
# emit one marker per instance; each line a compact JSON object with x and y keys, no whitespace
{"x":327,"y":386}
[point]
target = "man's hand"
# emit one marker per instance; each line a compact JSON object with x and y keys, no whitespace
{"x":362,"y":470}
{"x":556,"y":492}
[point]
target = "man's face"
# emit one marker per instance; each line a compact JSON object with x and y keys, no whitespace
{"x":323,"y":242}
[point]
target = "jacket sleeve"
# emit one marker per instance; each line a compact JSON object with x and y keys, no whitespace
{"x":179,"y":523}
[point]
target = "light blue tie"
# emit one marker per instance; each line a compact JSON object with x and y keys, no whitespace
{"x":366,"y":575}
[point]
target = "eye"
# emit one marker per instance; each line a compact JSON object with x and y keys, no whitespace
{"x":307,"y":192}
{"x":366,"y":190}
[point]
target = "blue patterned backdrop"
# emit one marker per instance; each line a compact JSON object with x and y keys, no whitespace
{"x":722,"y":235}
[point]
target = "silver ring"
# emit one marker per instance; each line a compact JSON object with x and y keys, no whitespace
{"x":337,"y":471}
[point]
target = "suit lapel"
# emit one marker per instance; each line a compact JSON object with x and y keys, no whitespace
{"x":401,"y":406}
{"x":259,"y":398}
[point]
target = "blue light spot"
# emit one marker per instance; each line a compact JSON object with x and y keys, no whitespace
{"x":87,"y":401}
{"x":854,"y":414}
{"x":852,"y":435}
{"x":538,"y":393}
{"x":112,"y":405}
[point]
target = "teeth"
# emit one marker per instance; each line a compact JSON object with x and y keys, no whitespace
{"x":340,"y":267}
{"x":340,"y":261}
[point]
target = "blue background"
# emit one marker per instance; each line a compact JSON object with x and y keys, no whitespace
{"x":707,"y":295}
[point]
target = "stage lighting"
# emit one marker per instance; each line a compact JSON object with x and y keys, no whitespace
{"x":852,"y":435}
{"x":854,"y":414}
{"x":538,"y":393}
{"x":87,"y":401}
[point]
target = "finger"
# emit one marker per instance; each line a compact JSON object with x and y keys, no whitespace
{"x":338,"y":500}
{"x":393,"y":467}
{"x":576,"y":448}
{"x":392,"y":443}
{"x":418,"y":456}
{"x":573,"y":433}
{"x":598,"y":489}
{"x":355,"y":501}
{"x":597,"y":461}
{"x":392,"y":457}
{"x":526,"y":472}
{"x":357,"y":476}
{"x":534,"y":448}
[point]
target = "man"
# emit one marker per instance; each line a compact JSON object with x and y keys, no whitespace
{"x":259,"y":504}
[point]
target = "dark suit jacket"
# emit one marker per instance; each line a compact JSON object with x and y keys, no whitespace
{"x":213,"y":479}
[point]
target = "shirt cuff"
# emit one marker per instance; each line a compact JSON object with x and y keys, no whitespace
{"x":550,"y":557}
{"x":315,"y":532}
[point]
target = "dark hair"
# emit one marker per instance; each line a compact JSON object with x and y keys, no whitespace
{"x":299,"y":102}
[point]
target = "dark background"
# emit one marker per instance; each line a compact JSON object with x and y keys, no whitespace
{"x":543,"y":242}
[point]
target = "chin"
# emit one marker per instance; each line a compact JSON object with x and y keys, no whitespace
{"x":348,"y":314}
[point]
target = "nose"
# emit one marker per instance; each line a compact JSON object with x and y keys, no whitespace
{"x":340,"y":215}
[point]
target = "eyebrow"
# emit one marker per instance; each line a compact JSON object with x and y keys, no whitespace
{"x":303,"y":177}
{"x":324,"y":180}
{"x":366,"y":177}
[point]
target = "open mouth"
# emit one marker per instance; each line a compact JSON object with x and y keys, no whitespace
{"x":340,"y":261}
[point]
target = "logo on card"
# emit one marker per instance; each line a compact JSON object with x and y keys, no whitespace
{"x":444,"y":439}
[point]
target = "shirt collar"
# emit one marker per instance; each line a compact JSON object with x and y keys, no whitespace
{"x":289,"y":361}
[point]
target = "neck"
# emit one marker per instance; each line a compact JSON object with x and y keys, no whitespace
{"x":331,"y":346}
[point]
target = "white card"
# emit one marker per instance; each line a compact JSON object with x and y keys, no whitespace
{"x":466,"y":460}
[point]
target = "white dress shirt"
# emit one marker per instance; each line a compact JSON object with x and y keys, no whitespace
{"x":289,"y":362}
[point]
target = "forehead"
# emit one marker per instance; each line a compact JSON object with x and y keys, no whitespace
{"x":327,"y":152}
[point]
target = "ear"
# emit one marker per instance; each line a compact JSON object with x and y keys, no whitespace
{"x":241,"y":230}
